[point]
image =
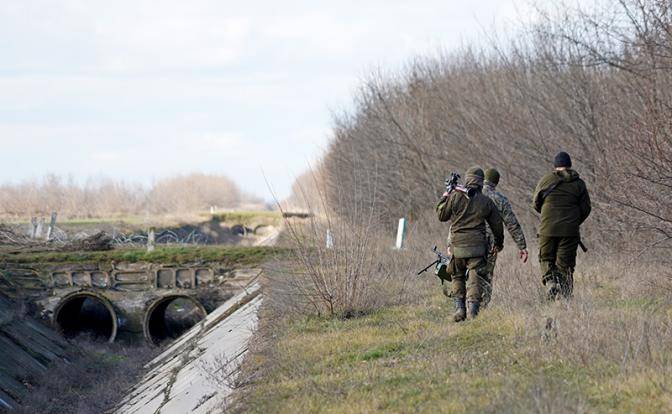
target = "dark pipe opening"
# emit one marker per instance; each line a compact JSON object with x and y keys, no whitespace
{"x":86,"y":314}
{"x":170,"y":317}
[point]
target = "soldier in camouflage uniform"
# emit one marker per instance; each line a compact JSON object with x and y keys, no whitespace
{"x":468,"y":217}
{"x":512,"y":225}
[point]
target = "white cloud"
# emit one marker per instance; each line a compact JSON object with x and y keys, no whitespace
{"x":171,"y":42}
{"x":137,"y":89}
{"x":106,"y":156}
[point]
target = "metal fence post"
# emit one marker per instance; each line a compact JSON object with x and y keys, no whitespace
{"x":52,"y":226}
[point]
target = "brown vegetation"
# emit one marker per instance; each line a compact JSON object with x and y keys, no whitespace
{"x":338,"y":268}
{"x":106,"y":198}
{"x":92,"y":381}
{"x":596,"y":85}
{"x":605,"y":350}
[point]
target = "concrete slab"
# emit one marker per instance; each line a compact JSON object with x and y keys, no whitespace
{"x":195,"y":374}
{"x":27,"y":348}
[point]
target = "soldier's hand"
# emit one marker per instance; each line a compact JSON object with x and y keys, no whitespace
{"x":523,"y":255}
{"x":448,"y":251}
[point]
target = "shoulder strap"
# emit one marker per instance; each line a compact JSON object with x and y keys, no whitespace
{"x":549,"y":190}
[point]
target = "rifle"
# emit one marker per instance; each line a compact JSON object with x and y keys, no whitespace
{"x":441,"y":264}
{"x":452,"y":184}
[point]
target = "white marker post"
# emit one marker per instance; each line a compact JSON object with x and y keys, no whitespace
{"x":151,"y":240}
{"x":330,"y":239}
{"x":401,"y":233}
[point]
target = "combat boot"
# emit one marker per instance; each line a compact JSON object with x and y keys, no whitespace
{"x":460,"y":310}
{"x":474,"y":307}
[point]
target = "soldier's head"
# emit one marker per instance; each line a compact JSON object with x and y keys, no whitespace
{"x":474,"y":177}
{"x":492,"y":176}
{"x":562,"y":161}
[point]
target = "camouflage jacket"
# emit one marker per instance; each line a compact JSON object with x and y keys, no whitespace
{"x":508,"y":217}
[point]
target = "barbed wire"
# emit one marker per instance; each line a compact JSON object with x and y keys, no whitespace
{"x":18,"y":236}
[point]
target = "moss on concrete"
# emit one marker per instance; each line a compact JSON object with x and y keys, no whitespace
{"x":232,"y":255}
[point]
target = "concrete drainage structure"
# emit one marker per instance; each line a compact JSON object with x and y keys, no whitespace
{"x":160,"y":324}
{"x":196,"y":373}
{"x":131,"y":301}
{"x":86,"y":312}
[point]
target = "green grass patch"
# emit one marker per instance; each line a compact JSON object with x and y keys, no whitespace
{"x":414,"y":359}
{"x":635,"y":303}
{"x":231,"y":255}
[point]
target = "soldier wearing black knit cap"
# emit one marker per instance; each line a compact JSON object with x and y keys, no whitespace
{"x":563,"y":201}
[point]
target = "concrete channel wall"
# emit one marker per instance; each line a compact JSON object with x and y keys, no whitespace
{"x":185,"y":375}
{"x":196,"y":373}
{"x":130,"y":294}
{"x":27,"y":348}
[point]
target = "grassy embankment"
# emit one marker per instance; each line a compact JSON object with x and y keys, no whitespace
{"x":606,"y":350}
{"x":231,"y":255}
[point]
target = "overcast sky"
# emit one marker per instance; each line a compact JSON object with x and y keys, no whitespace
{"x":139,"y":90}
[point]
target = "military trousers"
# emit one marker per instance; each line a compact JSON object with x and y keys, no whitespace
{"x":487,"y":280}
{"x":557,"y":258}
{"x":467,"y":278}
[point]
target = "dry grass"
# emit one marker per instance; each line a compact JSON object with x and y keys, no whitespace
{"x":355,"y":275}
{"x":592,"y":84}
{"x":606,"y":350}
{"x":339,"y":266}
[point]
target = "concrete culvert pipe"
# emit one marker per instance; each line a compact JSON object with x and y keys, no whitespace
{"x":86,"y":313}
{"x":240,"y":230}
{"x":169,"y":317}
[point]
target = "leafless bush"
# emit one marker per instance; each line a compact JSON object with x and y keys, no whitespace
{"x":342,"y":266}
{"x":219,"y":371}
{"x":195,"y":192}
{"x":107,"y":198}
{"x":595,"y":83}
